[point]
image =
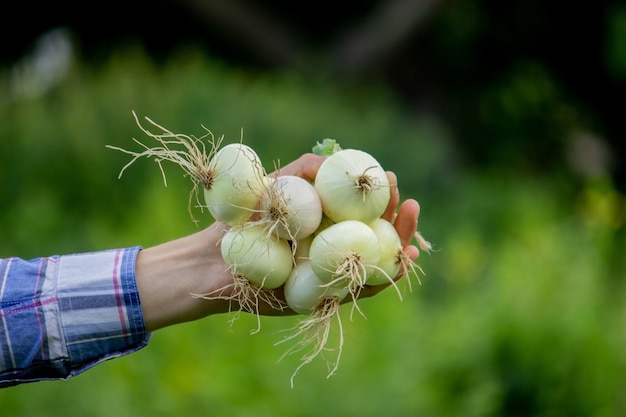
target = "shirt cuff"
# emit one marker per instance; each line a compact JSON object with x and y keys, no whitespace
{"x":99,"y":308}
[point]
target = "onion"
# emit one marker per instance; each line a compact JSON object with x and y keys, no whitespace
{"x":352,"y":186}
{"x":290,"y":208}
{"x":265,"y":262}
{"x":258,"y":265}
{"x":390,"y":251}
{"x":232,"y":177}
{"x":345,"y":254}
{"x":394,"y":262}
{"x":234,"y":184}
{"x":306,"y":294}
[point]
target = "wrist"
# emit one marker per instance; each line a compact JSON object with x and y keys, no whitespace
{"x":167,"y":275}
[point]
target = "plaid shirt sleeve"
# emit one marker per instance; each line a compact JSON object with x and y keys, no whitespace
{"x":61,"y":315}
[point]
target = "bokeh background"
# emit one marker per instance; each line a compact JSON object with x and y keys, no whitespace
{"x":504,"y":119}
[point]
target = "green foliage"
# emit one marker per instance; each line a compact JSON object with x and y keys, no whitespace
{"x":521,"y":311}
{"x":616,"y":42}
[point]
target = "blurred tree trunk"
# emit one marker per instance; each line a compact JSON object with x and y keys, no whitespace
{"x":361,"y":46}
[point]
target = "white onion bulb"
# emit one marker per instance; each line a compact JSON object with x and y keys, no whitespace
{"x":304,"y":291}
{"x":291,"y":207}
{"x":345,"y":253}
{"x":265,"y":262}
{"x":390,"y":253}
{"x":352,"y":186}
{"x":237,"y":181}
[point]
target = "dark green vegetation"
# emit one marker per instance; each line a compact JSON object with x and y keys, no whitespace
{"x":522,"y":310}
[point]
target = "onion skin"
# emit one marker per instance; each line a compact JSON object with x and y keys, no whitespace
{"x":337,"y":183}
{"x":390,"y":247}
{"x":304,"y":291}
{"x":293,"y":205}
{"x":349,"y":239}
{"x":237,"y":183}
{"x":265,"y":262}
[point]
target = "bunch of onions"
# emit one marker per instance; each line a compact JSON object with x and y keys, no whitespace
{"x":320,"y":242}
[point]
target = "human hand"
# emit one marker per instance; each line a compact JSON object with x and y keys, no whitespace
{"x":168,"y":273}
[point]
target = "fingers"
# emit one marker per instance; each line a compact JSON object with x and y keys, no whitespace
{"x":406,"y":221}
{"x":394,"y":197}
{"x":306,"y":166}
{"x":412,"y":252}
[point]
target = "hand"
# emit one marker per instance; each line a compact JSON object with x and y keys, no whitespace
{"x":167,"y":274}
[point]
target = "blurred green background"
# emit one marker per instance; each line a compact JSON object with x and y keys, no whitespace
{"x":522,"y":311}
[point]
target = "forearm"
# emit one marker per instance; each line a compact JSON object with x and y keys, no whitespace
{"x":61,"y":315}
{"x":167,"y":275}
